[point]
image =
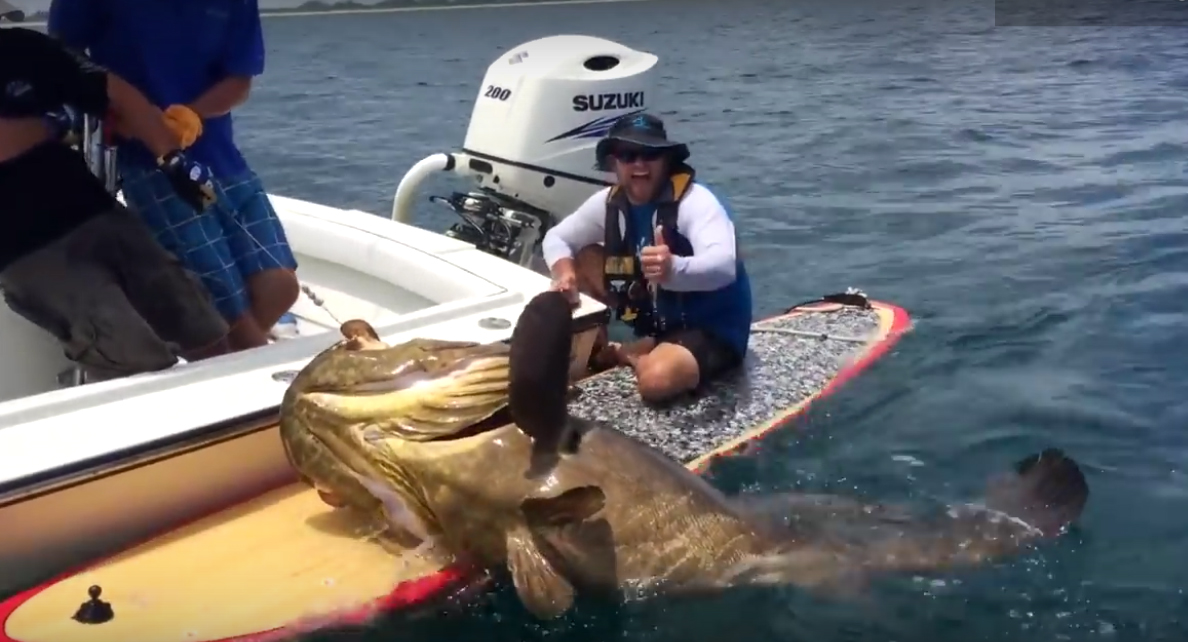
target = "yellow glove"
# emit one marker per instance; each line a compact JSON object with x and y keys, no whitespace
{"x":184,"y":123}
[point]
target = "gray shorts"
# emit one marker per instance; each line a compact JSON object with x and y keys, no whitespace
{"x":118,"y":301}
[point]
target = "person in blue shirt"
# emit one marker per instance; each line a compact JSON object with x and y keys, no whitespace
{"x":195,"y":59}
{"x":660,"y":249}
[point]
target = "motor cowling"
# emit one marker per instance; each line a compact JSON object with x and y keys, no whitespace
{"x":542,"y":108}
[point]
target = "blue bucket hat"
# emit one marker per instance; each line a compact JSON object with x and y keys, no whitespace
{"x":644,"y":130}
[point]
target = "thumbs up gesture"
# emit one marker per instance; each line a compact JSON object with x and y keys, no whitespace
{"x":656,"y":259}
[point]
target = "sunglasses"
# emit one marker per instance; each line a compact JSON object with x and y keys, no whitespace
{"x":632,"y":154}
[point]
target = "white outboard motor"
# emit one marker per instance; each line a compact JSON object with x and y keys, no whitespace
{"x":541,"y":110}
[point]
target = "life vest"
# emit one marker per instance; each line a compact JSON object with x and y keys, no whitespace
{"x":622,"y":275}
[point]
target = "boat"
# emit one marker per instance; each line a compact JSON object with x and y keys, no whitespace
{"x":188,"y":462}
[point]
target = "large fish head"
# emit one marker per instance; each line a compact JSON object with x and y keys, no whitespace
{"x":342,"y":408}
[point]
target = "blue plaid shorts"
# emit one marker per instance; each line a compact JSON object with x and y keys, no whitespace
{"x":237,"y":237}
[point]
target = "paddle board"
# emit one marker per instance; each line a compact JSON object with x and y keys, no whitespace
{"x":285,"y":562}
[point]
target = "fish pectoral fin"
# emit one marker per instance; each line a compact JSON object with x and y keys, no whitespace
{"x":543,"y":591}
{"x":574,"y":505}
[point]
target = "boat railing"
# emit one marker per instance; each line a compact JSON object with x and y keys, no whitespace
{"x":99,"y":152}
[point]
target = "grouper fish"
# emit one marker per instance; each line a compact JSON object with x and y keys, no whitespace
{"x":468,"y":448}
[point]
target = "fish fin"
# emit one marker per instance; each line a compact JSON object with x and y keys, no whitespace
{"x":543,"y":591}
{"x":574,"y":505}
{"x":1046,"y":490}
{"x":538,"y":386}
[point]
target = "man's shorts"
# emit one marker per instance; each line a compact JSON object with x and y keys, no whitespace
{"x":236,"y":238}
{"x":114,"y":297}
{"x":714,"y":357}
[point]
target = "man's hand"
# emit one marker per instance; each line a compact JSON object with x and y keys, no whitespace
{"x":184,"y":123}
{"x":656,"y":259}
{"x":192,"y":181}
{"x":565,"y":282}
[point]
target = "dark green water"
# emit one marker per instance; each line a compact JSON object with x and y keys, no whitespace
{"x":1021,"y":191}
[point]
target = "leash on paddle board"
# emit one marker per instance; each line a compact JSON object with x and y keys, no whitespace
{"x":806,"y":333}
{"x":852,"y":297}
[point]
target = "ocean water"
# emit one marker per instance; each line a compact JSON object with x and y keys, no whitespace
{"x":1019,"y":190}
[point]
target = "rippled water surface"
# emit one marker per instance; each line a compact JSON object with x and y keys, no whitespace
{"x":1019,"y":190}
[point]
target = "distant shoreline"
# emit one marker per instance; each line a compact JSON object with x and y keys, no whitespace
{"x":38,"y":19}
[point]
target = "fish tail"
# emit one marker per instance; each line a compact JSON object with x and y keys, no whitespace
{"x":1046,"y":490}
{"x":538,"y":377}
{"x":1040,"y":498}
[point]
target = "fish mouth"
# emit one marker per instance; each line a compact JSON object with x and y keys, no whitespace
{"x":346,"y":412}
{"x":418,"y":404}
{"x":421,"y":390}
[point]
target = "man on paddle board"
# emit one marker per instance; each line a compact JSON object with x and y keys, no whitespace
{"x":660,"y":248}
{"x":74,"y":261}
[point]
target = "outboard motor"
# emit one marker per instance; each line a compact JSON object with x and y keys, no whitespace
{"x":541,"y":109}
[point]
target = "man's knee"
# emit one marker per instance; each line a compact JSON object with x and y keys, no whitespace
{"x":272,"y":293}
{"x":277,"y":285}
{"x":661,"y":379}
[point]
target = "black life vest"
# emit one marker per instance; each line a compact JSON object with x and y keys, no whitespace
{"x":622,"y":275}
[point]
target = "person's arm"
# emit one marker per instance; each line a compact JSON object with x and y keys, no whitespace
{"x":222,"y":97}
{"x":242,"y":59}
{"x":586,"y":226}
{"x":703,"y":220}
{"x":139,"y":118}
{"x":70,"y":78}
